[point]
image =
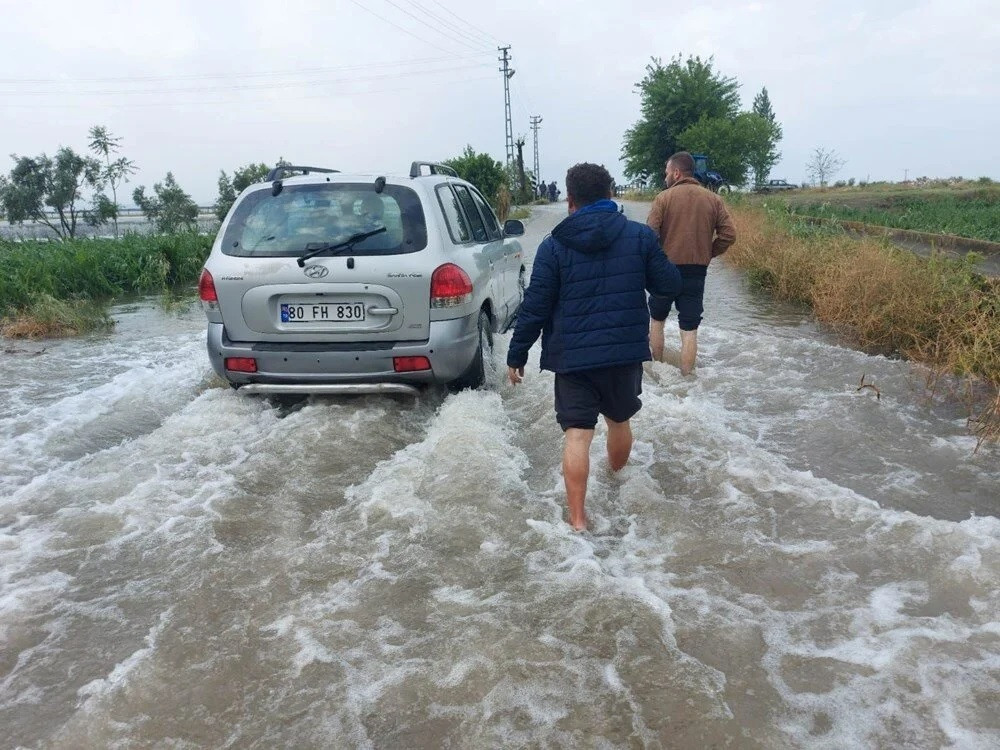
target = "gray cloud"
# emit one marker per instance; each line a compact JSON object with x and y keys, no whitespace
{"x":893,"y":86}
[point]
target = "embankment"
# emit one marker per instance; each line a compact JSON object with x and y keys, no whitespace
{"x":937,"y":310}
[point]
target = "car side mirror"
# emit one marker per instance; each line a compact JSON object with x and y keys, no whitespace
{"x":513,"y":228}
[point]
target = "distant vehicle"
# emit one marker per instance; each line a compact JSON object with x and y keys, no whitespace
{"x":710,"y":179}
{"x":775,"y":185}
{"x":322,"y":282}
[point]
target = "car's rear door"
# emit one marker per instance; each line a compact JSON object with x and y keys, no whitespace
{"x":488,"y":243}
{"x":511,"y":253}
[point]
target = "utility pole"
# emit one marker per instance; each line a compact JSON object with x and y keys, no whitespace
{"x":906,"y":174}
{"x":508,"y":73}
{"x":536,"y":120}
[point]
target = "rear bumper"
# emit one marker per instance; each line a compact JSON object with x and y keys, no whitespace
{"x":313,"y":368}
{"x":329,"y":389}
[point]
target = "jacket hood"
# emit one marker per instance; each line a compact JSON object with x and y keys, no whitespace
{"x":592,"y":228}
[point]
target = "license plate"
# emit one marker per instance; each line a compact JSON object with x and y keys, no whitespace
{"x":322,"y":312}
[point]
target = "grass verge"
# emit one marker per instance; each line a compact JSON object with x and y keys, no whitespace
{"x":936,"y":310}
{"x":970,"y":212}
{"x":63,"y":288}
{"x":520,"y":213}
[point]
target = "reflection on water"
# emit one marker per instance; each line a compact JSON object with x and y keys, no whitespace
{"x":785,"y":562}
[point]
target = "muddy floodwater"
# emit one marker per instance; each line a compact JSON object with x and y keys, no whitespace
{"x":785,"y":563}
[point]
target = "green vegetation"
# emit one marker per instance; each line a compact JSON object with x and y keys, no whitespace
{"x":40,"y":184}
{"x":61,"y":288}
{"x":688,"y":105}
{"x":169,"y":208}
{"x":937,"y":311}
{"x":243,"y":177}
{"x":967,"y":212}
{"x":52,"y":191}
{"x":520,"y":213}
{"x":113,"y":172}
{"x":482,"y":170}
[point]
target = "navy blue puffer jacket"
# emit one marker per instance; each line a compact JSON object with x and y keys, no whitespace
{"x":587,"y":295}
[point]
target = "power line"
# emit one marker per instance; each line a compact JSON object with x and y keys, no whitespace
{"x":242,"y":100}
{"x":462,"y":21}
{"x":250,"y":74}
{"x":478,"y":39}
{"x":246,"y":86}
{"x":437,"y":29}
{"x":391,"y":23}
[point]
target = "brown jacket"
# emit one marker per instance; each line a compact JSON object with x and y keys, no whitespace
{"x":691,"y":222}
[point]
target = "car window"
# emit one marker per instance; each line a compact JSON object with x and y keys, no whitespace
{"x":266,"y":225}
{"x":492,"y":228}
{"x":479,"y":233}
{"x":454,"y":218}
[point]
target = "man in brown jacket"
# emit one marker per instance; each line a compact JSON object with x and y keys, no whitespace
{"x":693,"y":227}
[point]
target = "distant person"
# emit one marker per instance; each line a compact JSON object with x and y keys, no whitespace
{"x":553,"y":192}
{"x":693,"y":227}
{"x":587,"y":299}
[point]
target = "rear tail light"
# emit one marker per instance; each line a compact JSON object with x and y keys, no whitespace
{"x":241,"y":364}
{"x":410,"y":364}
{"x":206,"y":287}
{"x":450,"y":286}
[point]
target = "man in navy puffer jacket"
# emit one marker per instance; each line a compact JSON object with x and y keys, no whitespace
{"x":587,"y":299}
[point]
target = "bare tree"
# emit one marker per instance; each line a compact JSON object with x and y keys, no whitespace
{"x":823,"y":164}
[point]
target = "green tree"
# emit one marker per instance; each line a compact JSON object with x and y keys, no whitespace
{"x":764,"y":152}
{"x":731,"y":143}
{"x":37,"y":187}
{"x":113,"y":173}
{"x":762,"y":106}
{"x":673,"y":98}
{"x":171,"y":210}
{"x":230,"y":188}
{"x":482,"y":170}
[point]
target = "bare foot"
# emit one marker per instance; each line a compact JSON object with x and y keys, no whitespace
{"x":578,"y":526}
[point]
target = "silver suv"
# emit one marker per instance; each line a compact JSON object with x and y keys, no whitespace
{"x":322,"y":282}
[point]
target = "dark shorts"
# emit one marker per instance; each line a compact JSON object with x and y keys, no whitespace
{"x":689,"y":303}
{"x":609,"y":391}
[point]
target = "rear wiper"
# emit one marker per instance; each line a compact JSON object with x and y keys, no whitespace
{"x":315,"y":248}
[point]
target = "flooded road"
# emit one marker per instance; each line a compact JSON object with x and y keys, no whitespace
{"x":785,"y":563}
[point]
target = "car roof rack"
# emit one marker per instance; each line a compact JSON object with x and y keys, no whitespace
{"x":432,"y":168}
{"x":279,"y":173}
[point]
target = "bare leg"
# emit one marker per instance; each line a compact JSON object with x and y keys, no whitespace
{"x":689,"y":351}
{"x":619,"y":443}
{"x":656,"y":339}
{"x":576,"y":469}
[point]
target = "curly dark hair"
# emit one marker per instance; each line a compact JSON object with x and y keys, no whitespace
{"x":587,"y":183}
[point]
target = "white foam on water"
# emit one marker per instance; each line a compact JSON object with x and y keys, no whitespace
{"x":887,"y":640}
{"x":103,"y":689}
{"x":55,"y":433}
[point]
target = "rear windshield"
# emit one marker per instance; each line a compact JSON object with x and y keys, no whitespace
{"x":270,"y":226}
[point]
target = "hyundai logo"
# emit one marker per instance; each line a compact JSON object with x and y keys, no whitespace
{"x":316,"y":272}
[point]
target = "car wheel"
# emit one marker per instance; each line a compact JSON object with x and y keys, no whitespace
{"x":484,"y":362}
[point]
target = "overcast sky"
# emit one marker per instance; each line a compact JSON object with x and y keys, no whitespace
{"x":195,"y":87}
